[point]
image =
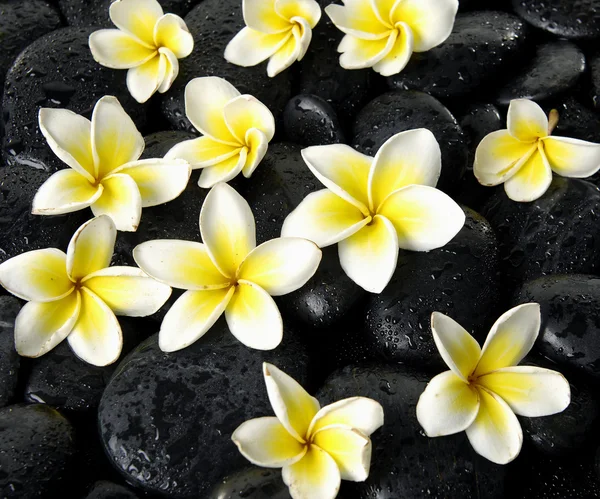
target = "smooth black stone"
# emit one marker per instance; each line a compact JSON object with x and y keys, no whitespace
{"x":9,"y":359}
{"x":213,"y":23}
{"x":405,"y":462}
{"x":554,"y":70}
{"x":564,"y":18}
{"x":449,"y":280}
{"x":570,"y":330}
{"x":595,"y":67}
{"x":57,"y":71}
{"x":398,"y":111}
{"x":20,"y":24}
{"x":251,"y":483}
{"x":109,"y":490}
{"x":158,"y":144}
{"x":577,"y":121}
{"x":37,"y":445}
{"x":59,"y":378}
{"x":311,"y":121}
{"x":180,"y":409}
{"x":480,"y":47}
{"x":557,"y":234}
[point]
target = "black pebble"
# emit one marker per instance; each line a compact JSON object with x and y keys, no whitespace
{"x":109,"y":490}
{"x":251,"y":483}
{"x":310,"y":121}
{"x":9,"y":359}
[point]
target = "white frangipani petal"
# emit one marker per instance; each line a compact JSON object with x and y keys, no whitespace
{"x":532,"y":179}
{"x":315,"y":475}
{"x":288,"y":53}
{"x":250,"y":47}
{"x":360,"y":53}
{"x":397,"y":58}
{"x":171,"y":33}
{"x":203,"y":152}
{"x":121,"y":200}
{"x":171,"y":69}
{"x":118,"y":50}
{"x":144,"y":80}
{"x":258,"y":144}
{"x":261,"y":15}
{"x":244,"y":113}
{"x":224,"y":171}
{"x":359,"y":19}
{"x":307,"y":10}
{"x":360,"y":413}
{"x":136,"y":17}
{"x":526,"y":120}
{"x":572,"y":157}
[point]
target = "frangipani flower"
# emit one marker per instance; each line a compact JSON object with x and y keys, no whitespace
{"x":374,"y":206}
{"x":485,"y":388}
{"x":148,"y":43}
{"x":316,"y":447}
{"x":278,"y":30}
{"x":383,"y":34}
{"x":524,"y":156}
{"x":77,"y":295}
{"x":237,"y":130}
{"x":104,"y":172}
{"x":227,"y":273}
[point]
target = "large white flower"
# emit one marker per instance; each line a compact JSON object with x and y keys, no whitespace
{"x":374,"y":206}
{"x":316,"y":447}
{"x":148,"y":43}
{"x":76,"y":295}
{"x":524,"y":156}
{"x":227,"y":273}
{"x":383,"y":34}
{"x":485,"y":388}
{"x":237,"y":130}
{"x":104,"y":173}
{"x":278,"y":30}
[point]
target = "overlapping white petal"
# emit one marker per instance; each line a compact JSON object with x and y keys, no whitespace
{"x":121,"y":201}
{"x":64,"y":192}
{"x":315,"y":475}
{"x":363,"y":414}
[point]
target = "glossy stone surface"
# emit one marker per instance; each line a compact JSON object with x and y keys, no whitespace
{"x":251,"y":483}
{"x":108,"y":490}
{"x":9,"y":359}
{"x":310,"y":121}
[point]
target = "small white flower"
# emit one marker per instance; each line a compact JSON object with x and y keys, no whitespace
{"x":77,"y":295}
{"x":227,"y":273}
{"x":148,"y":43}
{"x":278,"y":30}
{"x":485,"y":388}
{"x":524,"y":156}
{"x":105,"y":174}
{"x":316,"y":447}
{"x":383,"y":34}
{"x":237,"y":130}
{"x":374,"y":206}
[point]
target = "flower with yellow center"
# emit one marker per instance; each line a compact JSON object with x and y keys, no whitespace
{"x":383,"y":34}
{"x":104,"y":173}
{"x":316,"y":447}
{"x":237,"y":130}
{"x":228,"y":273}
{"x":76,"y":295}
{"x":524,"y":156}
{"x":374,"y":206}
{"x":278,"y":30}
{"x":485,"y":388}
{"x":148,"y":43}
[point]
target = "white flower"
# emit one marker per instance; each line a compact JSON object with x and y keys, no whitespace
{"x":383,"y":34}
{"x":148,"y":43}
{"x":227,"y":273}
{"x":316,"y":447}
{"x":237,"y":130}
{"x":77,"y":295}
{"x":484,"y":389}
{"x":374,"y":206}
{"x":105,"y":174}
{"x":524,"y":156}
{"x":278,"y":30}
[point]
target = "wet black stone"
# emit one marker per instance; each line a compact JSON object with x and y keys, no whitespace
{"x":20,"y":24}
{"x":109,"y":490}
{"x":214,"y":23}
{"x":480,"y":47}
{"x":570,"y":320}
{"x":56,"y":71}
{"x":554,"y":70}
{"x":311,"y":121}
{"x":595,"y":67}
{"x":404,"y":462}
{"x":450,"y":280}
{"x":158,"y":144}
{"x":398,"y":111}
{"x":557,"y":234}
{"x":166,"y":419}
{"x":9,"y":359}
{"x":251,"y":483}
{"x":37,"y":445}
{"x":577,"y":121}
{"x":564,"y":18}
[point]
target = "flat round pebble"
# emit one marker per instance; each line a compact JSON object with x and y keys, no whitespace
{"x":311,"y":121}
{"x":213,"y":23}
{"x":38,"y":447}
{"x":405,"y":462}
{"x":398,"y":111}
{"x":109,"y":490}
{"x":563,"y":18}
{"x":166,"y":419}
{"x":557,"y":234}
{"x":480,"y":47}
{"x":251,"y":483}
{"x":554,"y":70}
{"x":458,"y":280}
{"x":9,"y":359}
